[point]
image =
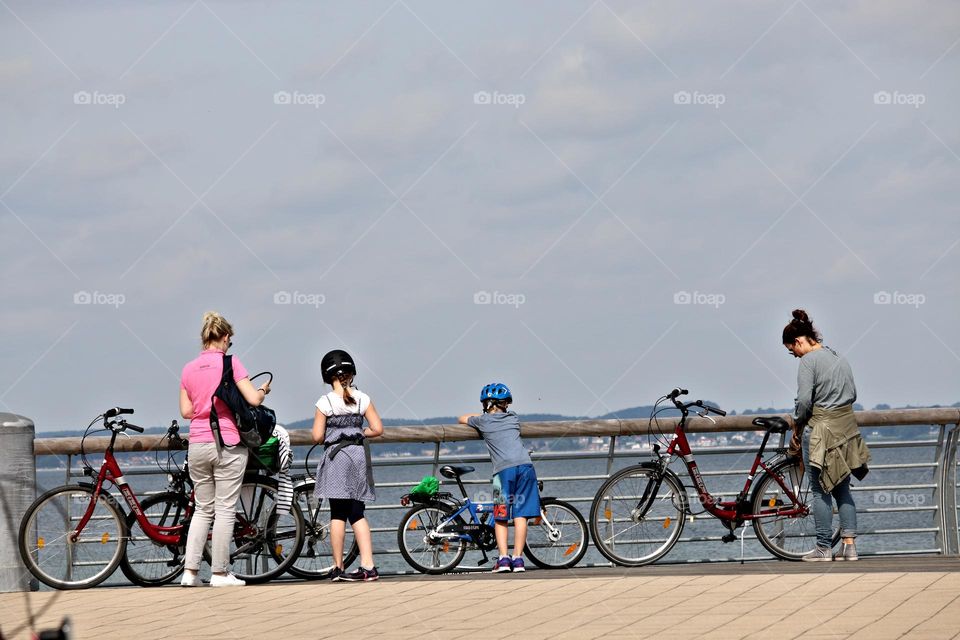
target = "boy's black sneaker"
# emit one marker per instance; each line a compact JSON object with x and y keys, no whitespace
{"x":361,"y":575}
{"x":337,"y":574}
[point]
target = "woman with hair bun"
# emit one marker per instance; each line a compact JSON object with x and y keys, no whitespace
{"x":217,"y":474}
{"x":832,"y":446}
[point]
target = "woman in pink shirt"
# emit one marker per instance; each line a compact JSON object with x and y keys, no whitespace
{"x":217,"y":473}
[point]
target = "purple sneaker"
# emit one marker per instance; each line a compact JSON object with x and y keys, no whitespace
{"x":516,"y":565}
{"x":504,"y":565}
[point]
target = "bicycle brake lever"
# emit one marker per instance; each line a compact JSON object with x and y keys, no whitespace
{"x":706,"y":414}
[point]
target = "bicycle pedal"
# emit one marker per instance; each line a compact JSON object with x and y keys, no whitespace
{"x":480,"y":563}
{"x":730,"y":537}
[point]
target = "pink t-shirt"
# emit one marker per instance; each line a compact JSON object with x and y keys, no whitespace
{"x":200,"y":379}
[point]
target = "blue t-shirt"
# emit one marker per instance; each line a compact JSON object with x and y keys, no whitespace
{"x":501,"y":433}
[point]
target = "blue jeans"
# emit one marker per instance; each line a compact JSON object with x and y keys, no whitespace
{"x":823,"y":502}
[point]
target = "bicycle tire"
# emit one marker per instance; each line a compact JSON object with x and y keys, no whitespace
{"x":264,"y":544}
{"x":652,"y":534}
{"x":315,"y":560}
{"x":418,"y":551}
{"x":791,"y":536}
{"x":558,"y":538}
{"x":60,"y":563}
{"x":147,"y":563}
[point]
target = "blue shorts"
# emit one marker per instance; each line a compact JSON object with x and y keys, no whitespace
{"x":515,"y":493}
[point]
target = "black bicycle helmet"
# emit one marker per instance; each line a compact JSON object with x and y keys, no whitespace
{"x":335,"y":364}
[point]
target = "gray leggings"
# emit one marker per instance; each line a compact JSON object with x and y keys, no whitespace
{"x":216,"y":486}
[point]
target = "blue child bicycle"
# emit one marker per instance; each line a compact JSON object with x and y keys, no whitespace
{"x":435,"y":534}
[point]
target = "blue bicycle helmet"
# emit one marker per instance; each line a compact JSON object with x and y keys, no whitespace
{"x":496,"y":391}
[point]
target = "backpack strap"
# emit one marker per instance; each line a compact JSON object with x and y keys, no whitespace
{"x":226,"y":376}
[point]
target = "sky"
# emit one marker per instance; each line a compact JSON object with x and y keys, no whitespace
{"x":592,"y":202}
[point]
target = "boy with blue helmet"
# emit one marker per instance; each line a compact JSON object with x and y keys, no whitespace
{"x":514,"y":479}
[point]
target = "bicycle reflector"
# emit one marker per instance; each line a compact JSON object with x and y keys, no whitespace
{"x":571,"y":549}
{"x":41,"y":543}
{"x":666,"y":522}
{"x":105,"y":538}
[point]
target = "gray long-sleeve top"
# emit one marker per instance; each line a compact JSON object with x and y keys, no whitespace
{"x":824,"y":379}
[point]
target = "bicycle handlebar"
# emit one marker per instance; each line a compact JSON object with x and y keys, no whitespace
{"x":116,"y":411}
{"x":133,"y":427}
{"x":684,"y":407}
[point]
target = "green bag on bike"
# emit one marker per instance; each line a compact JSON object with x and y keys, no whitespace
{"x":429,"y":486}
{"x":267,"y":455}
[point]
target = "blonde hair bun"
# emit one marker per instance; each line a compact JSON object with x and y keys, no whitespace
{"x":214,"y":328}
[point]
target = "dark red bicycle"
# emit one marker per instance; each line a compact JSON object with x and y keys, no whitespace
{"x":75,"y":536}
{"x":637,"y":515}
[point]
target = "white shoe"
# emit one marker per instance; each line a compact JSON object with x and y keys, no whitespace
{"x":226,"y":580}
{"x":191,"y":579}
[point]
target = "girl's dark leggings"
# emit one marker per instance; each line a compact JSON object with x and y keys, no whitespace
{"x":346,"y":509}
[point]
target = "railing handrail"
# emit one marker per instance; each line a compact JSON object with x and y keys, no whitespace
{"x":546,"y":429}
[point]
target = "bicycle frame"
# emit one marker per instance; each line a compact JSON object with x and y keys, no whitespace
{"x":110,"y":472}
{"x":740,"y":508}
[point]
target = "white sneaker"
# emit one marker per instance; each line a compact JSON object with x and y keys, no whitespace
{"x":226,"y":580}
{"x":191,"y":579}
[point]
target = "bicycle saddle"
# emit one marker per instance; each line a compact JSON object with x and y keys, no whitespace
{"x":453,"y":471}
{"x":773,"y":425}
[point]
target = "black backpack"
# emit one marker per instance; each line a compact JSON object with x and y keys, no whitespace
{"x":255,"y":424}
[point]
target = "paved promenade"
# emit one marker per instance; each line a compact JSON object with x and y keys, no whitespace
{"x":874,"y":599}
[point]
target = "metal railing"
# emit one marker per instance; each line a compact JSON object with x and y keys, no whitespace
{"x":913,"y":483}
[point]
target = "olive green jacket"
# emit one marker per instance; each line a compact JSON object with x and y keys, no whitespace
{"x":836,"y":447}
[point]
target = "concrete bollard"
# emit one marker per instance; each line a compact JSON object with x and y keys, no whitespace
{"x":18,"y":489}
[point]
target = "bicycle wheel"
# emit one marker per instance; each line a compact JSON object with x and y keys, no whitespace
{"x":148,"y":563}
{"x":264,"y":542}
{"x":59,"y":556}
{"x":558,"y":538}
{"x":315,"y":560}
{"x":785,"y":528}
{"x":632,"y":534}
{"x":423,"y":553}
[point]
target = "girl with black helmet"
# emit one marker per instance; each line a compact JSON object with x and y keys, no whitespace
{"x":514,"y":480}
{"x":344,"y":476}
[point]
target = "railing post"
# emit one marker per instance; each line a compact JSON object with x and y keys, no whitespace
{"x":946,"y":494}
{"x":18,"y":489}
{"x":613,"y":447}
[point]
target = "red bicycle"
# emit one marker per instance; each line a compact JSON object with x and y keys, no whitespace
{"x":75,"y":536}
{"x":638,"y":514}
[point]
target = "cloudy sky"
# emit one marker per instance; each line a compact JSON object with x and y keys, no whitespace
{"x":590,"y":201}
